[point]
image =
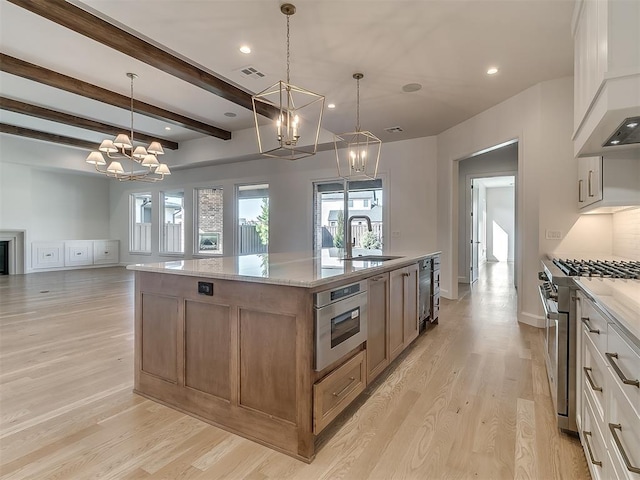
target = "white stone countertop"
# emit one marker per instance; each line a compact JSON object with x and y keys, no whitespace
{"x":299,"y":269}
{"x":618,"y":297}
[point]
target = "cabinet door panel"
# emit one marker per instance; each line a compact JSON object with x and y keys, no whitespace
{"x":159,"y":336}
{"x":411,"y":304}
{"x":208,"y":348}
{"x":268,"y":363}
{"x":377,"y":333}
{"x":396,"y":312}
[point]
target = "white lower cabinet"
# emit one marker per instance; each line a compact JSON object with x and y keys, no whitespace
{"x":47,"y":255}
{"x":78,"y":253}
{"x":74,"y":253}
{"x":106,"y":251}
{"x":609,"y":395}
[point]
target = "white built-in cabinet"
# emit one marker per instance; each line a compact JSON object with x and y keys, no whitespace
{"x":608,"y":184}
{"x":74,"y":253}
{"x":606,"y":69}
{"x":608,"y":395}
{"x":589,"y":181}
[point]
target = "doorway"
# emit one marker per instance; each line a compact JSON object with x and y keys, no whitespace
{"x":492,"y":222}
{"x":483,"y":234}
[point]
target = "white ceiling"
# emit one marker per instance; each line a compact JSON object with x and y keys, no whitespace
{"x":445,"y":45}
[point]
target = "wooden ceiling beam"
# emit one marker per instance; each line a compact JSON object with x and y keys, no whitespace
{"x":74,"y":121}
{"x":23,"y":69}
{"x":82,"y":22}
{"x":47,"y":137}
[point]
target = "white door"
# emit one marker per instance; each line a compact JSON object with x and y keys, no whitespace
{"x":475,"y":232}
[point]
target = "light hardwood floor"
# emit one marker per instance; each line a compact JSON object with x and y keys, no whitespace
{"x":469,"y":399}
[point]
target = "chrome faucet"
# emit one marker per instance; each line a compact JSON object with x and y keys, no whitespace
{"x":350,"y":241}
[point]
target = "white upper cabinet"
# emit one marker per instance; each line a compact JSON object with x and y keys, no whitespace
{"x":605,"y":186}
{"x":606,"y":71}
{"x":589,"y":181}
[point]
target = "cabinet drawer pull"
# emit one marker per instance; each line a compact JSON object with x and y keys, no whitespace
{"x":406,"y":274}
{"x":78,"y":253}
{"x":616,"y":426}
{"x":580,"y":200}
{"x":375,"y":279}
{"x":106,"y":253}
{"x":352,"y":379}
{"x":590,"y":183}
{"x":585,"y":320}
{"x":49,"y":255}
{"x":586,"y":440}
{"x":587,"y":374}
{"x":622,"y":376}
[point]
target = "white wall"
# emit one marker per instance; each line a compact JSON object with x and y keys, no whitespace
{"x":407,"y":169}
{"x":47,"y":204}
{"x":541,"y":119}
{"x":500,"y":209}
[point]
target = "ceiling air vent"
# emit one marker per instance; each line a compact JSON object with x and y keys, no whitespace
{"x":251,"y":72}
{"x":393,"y":130}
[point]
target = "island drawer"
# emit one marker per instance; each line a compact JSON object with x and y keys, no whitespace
{"x":336,"y":391}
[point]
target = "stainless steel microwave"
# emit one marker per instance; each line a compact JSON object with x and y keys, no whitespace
{"x":340,"y":322}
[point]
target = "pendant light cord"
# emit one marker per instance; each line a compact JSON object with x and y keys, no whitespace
{"x":357,"y":105}
{"x":132,"y":77}
{"x":288,"y":41}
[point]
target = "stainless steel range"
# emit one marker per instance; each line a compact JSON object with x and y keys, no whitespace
{"x":558,"y":295}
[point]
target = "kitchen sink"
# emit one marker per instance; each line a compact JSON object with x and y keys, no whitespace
{"x":372,"y":258}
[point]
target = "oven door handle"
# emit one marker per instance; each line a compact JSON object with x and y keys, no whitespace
{"x":551,"y":315}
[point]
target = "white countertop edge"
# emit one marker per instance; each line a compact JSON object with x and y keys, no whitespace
{"x":407,"y":258}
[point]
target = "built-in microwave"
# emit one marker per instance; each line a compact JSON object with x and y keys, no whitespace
{"x":340,"y":322}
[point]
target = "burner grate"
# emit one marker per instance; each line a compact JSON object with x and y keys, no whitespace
{"x":600,"y":268}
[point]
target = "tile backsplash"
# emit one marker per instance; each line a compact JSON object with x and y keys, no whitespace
{"x":626,"y":233}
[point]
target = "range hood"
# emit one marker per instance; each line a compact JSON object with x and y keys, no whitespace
{"x":627,"y":133}
{"x":616,"y":105}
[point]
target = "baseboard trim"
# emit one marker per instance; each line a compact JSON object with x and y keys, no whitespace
{"x":531,"y":319}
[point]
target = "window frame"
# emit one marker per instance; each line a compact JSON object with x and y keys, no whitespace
{"x":132,"y":222}
{"x":161,"y":229}
{"x":196,"y":223}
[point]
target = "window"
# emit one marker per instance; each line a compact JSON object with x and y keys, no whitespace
{"x":330,"y":220}
{"x":253,"y":218}
{"x":140,"y":223}
{"x":172,"y":222}
{"x":209,"y":218}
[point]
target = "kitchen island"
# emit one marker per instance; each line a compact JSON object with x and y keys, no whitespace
{"x":231,"y":340}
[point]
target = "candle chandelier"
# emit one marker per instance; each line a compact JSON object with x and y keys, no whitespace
{"x":143,"y":164}
{"x":357,"y":153}
{"x":295,"y":130}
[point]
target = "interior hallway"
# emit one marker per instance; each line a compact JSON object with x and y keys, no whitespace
{"x":469,"y":399}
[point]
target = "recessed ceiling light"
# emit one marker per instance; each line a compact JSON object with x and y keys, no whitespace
{"x":632,"y":125}
{"x":331,"y":105}
{"x":492,"y":71}
{"x":167,"y":128}
{"x":245,"y":49}
{"x":230,"y":114}
{"x":411,"y":87}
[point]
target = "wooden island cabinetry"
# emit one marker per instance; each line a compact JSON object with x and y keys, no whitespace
{"x":378,"y":356}
{"x":240,"y":354}
{"x":403,"y":308}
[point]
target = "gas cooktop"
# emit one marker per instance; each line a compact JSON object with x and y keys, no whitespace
{"x":599,"y":268}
